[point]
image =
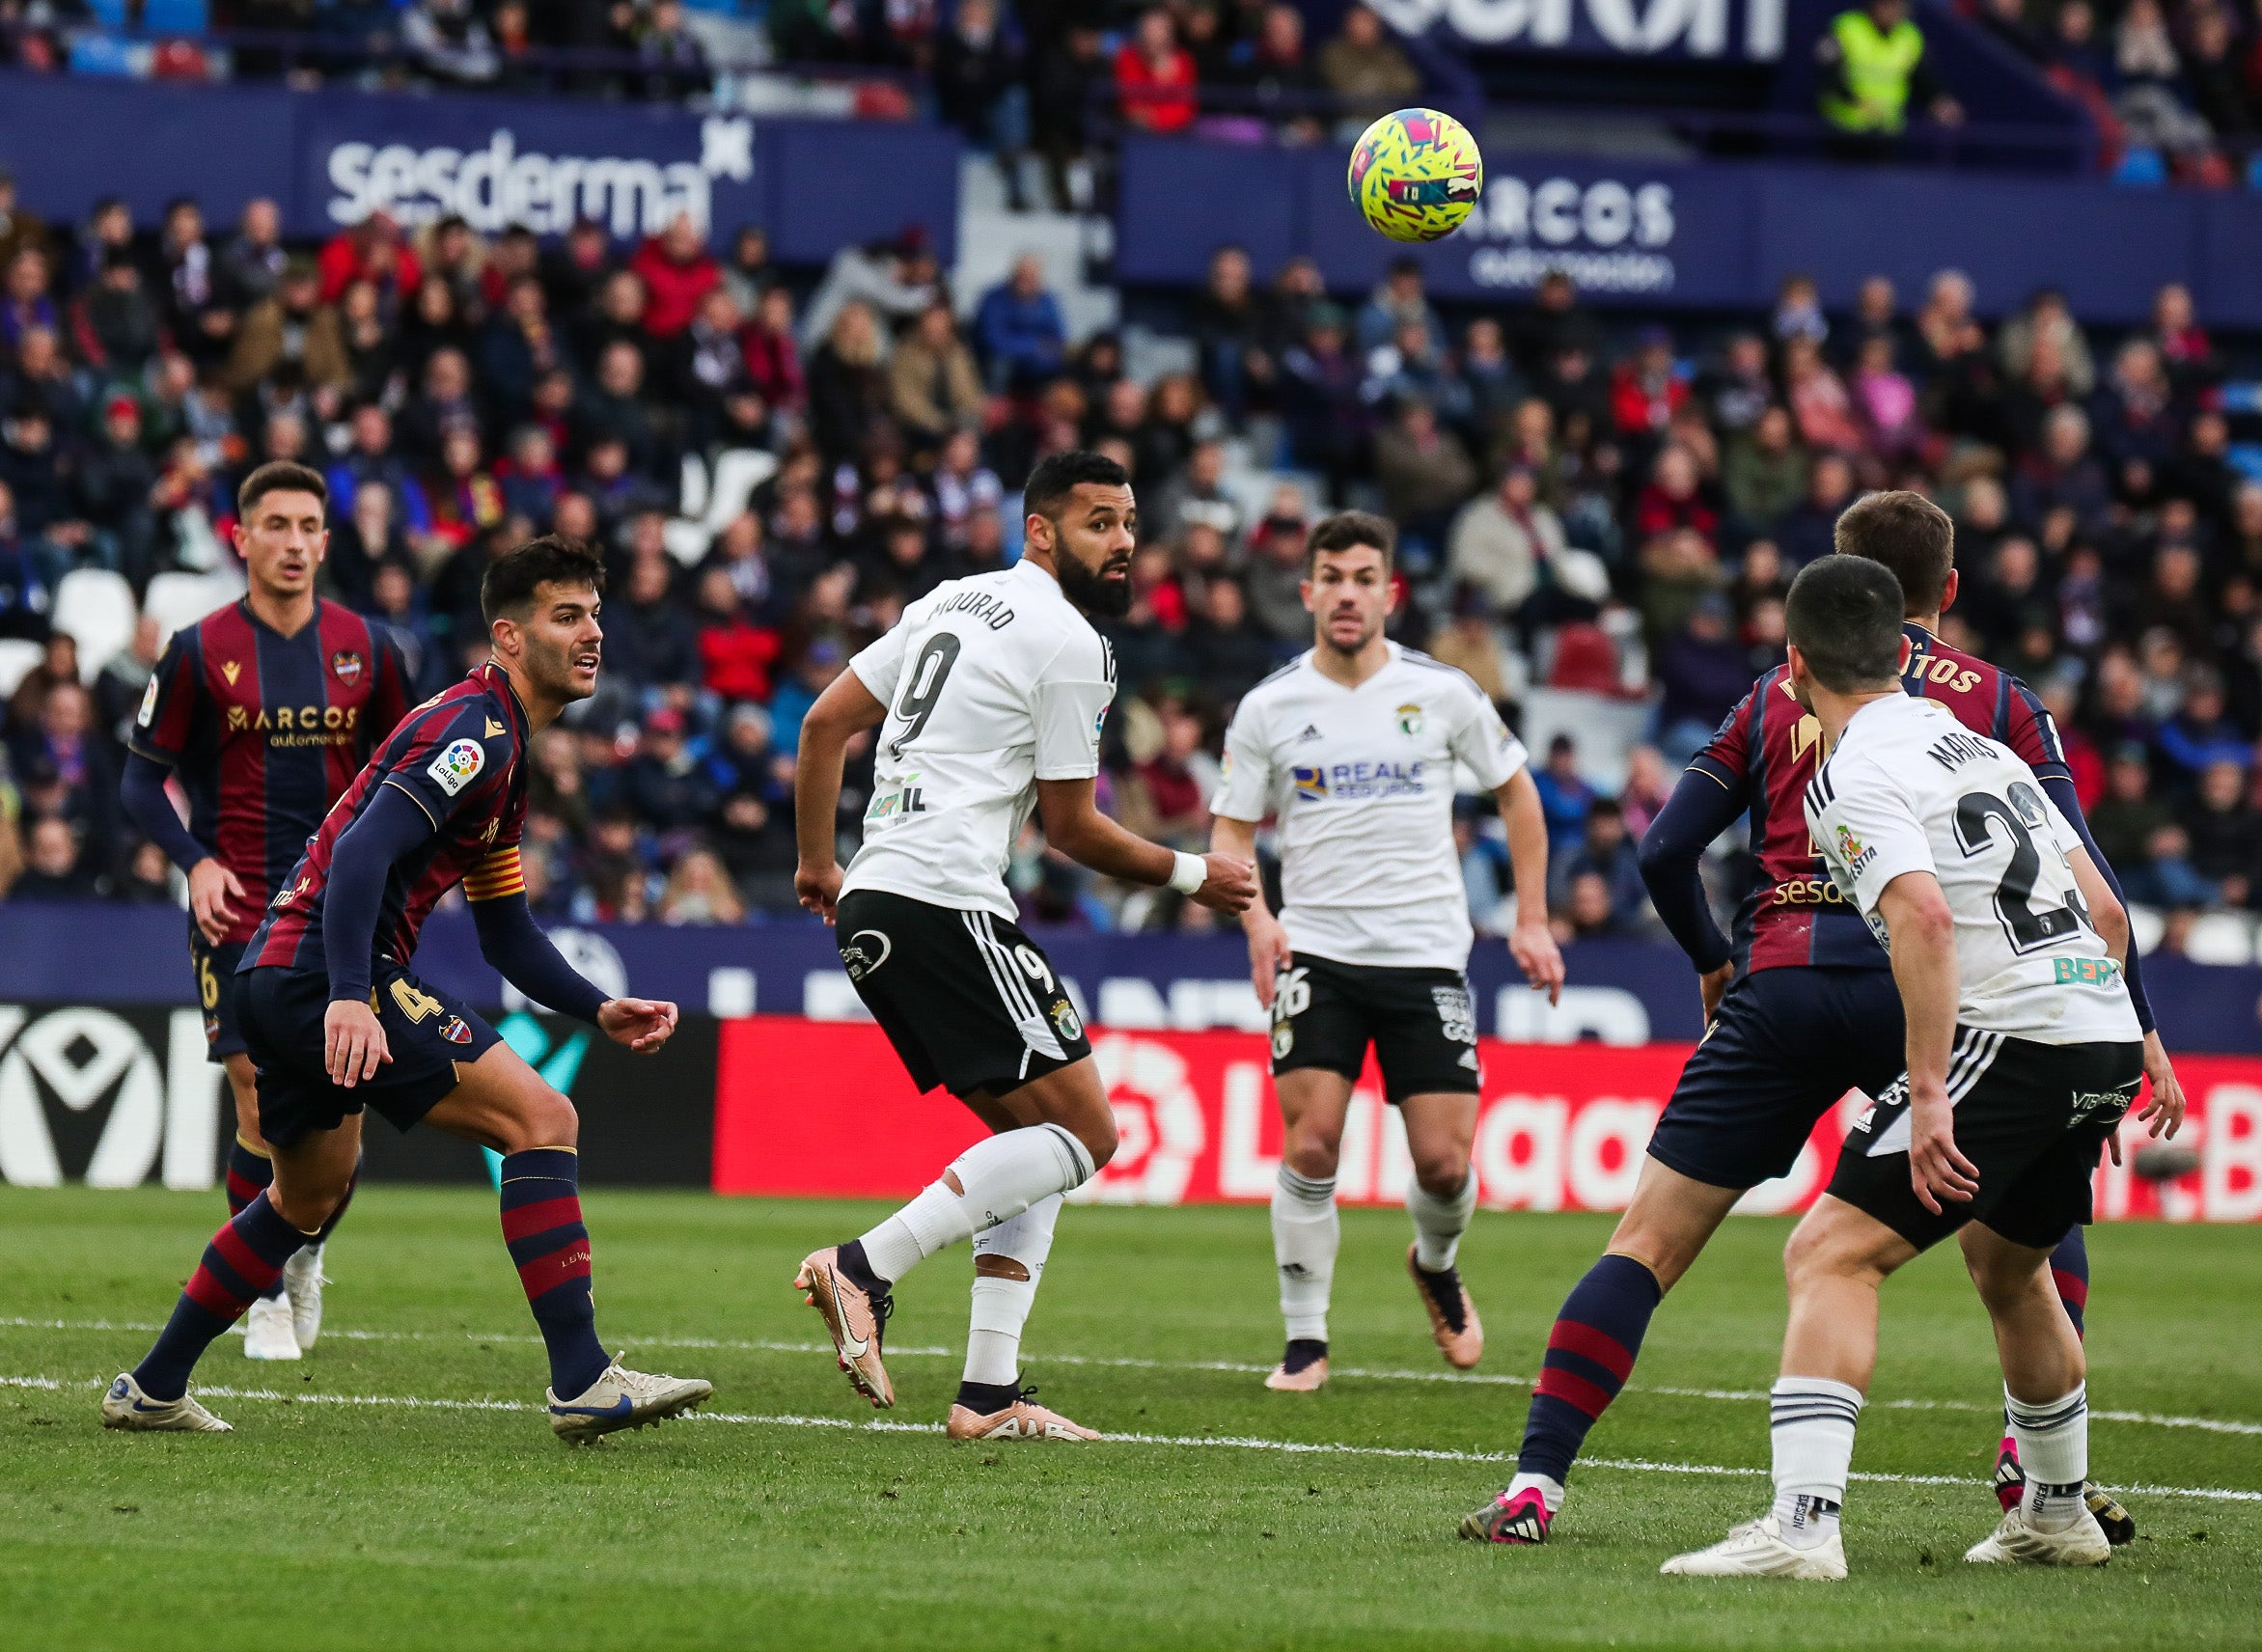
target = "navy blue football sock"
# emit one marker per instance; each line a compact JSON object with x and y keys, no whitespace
{"x":1589,"y":1353}
{"x":2069,"y":1272}
{"x":250,"y":1173}
{"x":241,"y":1264}
{"x":541,"y":1223}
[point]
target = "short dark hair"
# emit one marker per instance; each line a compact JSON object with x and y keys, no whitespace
{"x":1910,"y":534}
{"x":1058,"y":475}
{"x":512,"y":578}
{"x":280,"y":476}
{"x":1844,"y":616}
{"x":1347,"y":529}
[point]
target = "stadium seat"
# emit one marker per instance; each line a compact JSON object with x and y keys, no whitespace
{"x":178,"y":600}
{"x":106,"y":54}
{"x":177,"y":16}
{"x":1586,"y":659}
{"x":2220,"y":938}
{"x":2142,"y":168}
{"x":17,"y":657}
{"x":738,"y":472}
{"x":1605,"y":727}
{"x":94,"y":607}
{"x":109,"y":13}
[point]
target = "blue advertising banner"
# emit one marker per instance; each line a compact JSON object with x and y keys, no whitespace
{"x":1748,"y":31}
{"x":1698,"y":237}
{"x":1621,"y":992}
{"x":331,"y":158}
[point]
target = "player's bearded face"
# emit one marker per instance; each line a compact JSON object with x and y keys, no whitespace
{"x":1093,"y":542}
{"x":563,"y":643}
{"x":282,"y":541}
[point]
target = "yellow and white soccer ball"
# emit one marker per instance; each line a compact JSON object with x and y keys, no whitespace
{"x":1417,"y":175}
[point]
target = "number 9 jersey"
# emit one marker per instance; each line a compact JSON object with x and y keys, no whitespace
{"x":992,"y":684}
{"x":1909,"y":788}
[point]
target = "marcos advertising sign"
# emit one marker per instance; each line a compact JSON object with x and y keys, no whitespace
{"x":813,"y":1108}
{"x":1736,"y":30}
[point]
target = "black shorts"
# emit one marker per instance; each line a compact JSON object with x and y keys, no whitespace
{"x":431,"y":1034}
{"x":2030,"y":1117}
{"x":1784,"y":1046}
{"x":970,"y":1002}
{"x":1420,"y":1020}
{"x":219,"y":993}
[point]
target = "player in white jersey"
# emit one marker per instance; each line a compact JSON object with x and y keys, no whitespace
{"x":2023,"y":1053}
{"x":1353,"y":750}
{"x":988,"y":698}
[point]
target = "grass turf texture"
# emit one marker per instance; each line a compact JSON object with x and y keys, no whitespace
{"x":346,"y":1525}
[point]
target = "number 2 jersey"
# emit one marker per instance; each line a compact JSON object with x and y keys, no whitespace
{"x":1766,"y":752}
{"x":992,"y":684}
{"x":266,"y":730}
{"x":1908,"y":789}
{"x":461,"y":758}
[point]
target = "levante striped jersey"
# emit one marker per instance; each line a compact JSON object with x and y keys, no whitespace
{"x":265,"y":732}
{"x":462,"y":758}
{"x":1767,"y":750}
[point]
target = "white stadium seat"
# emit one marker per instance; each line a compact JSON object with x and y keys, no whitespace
{"x":94,"y":607}
{"x":178,"y":600}
{"x":17,"y":657}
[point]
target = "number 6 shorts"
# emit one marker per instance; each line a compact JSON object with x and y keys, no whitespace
{"x":432,"y":1037}
{"x":970,"y":1002}
{"x":1420,"y":1022}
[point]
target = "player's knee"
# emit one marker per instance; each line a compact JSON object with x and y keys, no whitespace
{"x":1310,"y":1153}
{"x":2002,"y":1281}
{"x":1100,"y":1139}
{"x":306,"y":1209}
{"x":1442,"y":1173}
{"x":545,"y":1120}
{"x":1828,"y":1250}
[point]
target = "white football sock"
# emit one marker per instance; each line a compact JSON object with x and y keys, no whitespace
{"x":1307,"y":1232}
{"x":1002,"y":1175}
{"x":2053,"y":1451}
{"x":1439,"y":1222}
{"x":1811,"y":1425}
{"x":1550,"y":1492}
{"x":1001,"y":1305}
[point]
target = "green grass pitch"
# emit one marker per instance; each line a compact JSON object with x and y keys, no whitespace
{"x":403,"y":1526}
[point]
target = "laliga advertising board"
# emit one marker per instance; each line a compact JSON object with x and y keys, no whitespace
{"x":823,"y":1109}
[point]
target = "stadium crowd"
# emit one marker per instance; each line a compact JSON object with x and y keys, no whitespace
{"x":1593,"y":509}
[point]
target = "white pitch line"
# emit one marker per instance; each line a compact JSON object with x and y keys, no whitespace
{"x":1231,"y":1367}
{"x":1208,"y":1442}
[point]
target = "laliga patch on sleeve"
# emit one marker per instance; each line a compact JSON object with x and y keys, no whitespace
{"x":148,"y":707}
{"x":458,"y":765}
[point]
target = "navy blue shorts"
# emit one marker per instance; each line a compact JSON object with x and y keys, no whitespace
{"x":219,"y":993}
{"x":1785,"y":1045}
{"x":429,"y":1033}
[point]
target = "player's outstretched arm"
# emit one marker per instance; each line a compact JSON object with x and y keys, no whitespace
{"x":844,"y":710}
{"x":1925,"y":968}
{"x":1074,"y":825}
{"x":1269,"y":952}
{"x":211,"y":886}
{"x":511,"y":939}
{"x":1531,"y":943}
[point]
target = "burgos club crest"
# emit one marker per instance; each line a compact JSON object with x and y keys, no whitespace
{"x":1409,"y":720}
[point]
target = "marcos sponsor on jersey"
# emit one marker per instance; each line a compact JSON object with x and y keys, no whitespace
{"x":1358,"y":780}
{"x":458,"y":765}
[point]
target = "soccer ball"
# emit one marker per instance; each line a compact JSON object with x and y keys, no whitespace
{"x":1417,"y":175}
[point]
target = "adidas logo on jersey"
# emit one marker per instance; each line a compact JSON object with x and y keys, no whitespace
{"x":1311,"y":733}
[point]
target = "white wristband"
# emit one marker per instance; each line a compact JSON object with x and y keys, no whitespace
{"x":1190,"y":873}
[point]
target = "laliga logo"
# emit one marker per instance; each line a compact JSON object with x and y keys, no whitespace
{"x":1699,"y":26}
{"x":495,"y":187}
{"x":1158,"y":1123}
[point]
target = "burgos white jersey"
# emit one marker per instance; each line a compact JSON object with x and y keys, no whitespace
{"x":1910,"y":790}
{"x":992,"y":684}
{"x":1362,"y":783}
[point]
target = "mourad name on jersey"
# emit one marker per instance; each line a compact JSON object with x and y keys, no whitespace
{"x":1385,"y":779}
{"x":985,"y":606}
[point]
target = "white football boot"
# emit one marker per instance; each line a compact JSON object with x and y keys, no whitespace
{"x":127,"y":1407}
{"x":2015,"y":1543}
{"x":623,"y":1399}
{"x":1756,"y":1549}
{"x":303,"y":1280}
{"x":268,"y":1333}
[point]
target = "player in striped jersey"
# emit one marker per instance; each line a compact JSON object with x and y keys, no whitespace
{"x":1810,"y":1014}
{"x":335,"y":1021}
{"x":264,"y":710}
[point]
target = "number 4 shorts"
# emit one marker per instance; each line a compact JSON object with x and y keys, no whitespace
{"x":431,"y":1034}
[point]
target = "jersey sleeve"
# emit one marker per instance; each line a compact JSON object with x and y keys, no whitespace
{"x":879,"y":665}
{"x":1483,"y":741}
{"x":1246,"y":789}
{"x":1867,"y":832}
{"x":2032,"y":733}
{"x":1727,"y":756}
{"x":452,"y":759}
{"x":162,"y":727}
{"x":1069,"y":707}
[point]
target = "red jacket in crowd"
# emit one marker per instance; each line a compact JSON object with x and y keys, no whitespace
{"x":673,"y":286}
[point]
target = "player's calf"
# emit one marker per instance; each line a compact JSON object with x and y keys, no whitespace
{"x":243,"y":1261}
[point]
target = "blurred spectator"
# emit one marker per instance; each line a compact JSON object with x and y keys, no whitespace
{"x":2224,"y":832}
{"x":1366,"y":70}
{"x":1156,"y":77}
{"x":699,"y":891}
{"x":448,"y":42}
{"x":1019,"y":328}
{"x":678,"y":272}
{"x":1872,"y":68}
{"x":1703,"y":669}
{"x":53,"y":869}
{"x":676,"y":64}
{"x":1764,"y":472}
{"x":1564,"y":795}
{"x":1606,"y":851}
{"x":933,"y":386}
{"x":1500,"y":541}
